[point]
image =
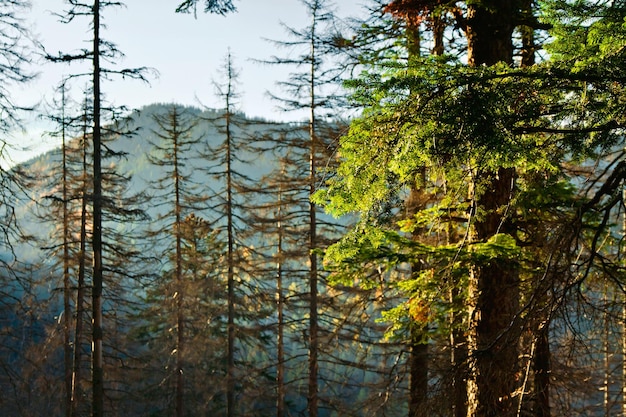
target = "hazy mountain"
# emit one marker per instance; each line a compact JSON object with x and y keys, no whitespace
{"x":132,"y":161}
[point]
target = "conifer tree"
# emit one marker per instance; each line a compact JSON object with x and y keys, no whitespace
{"x":221,"y":7}
{"x":178,"y":196}
{"x":64,"y":205}
{"x":305,"y":92}
{"x":230,"y":162}
{"x":100,"y":51}
{"x":15,"y":58}
{"x":477,"y":172}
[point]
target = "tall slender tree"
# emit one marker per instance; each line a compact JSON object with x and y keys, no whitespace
{"x":173,"y":146}
{"x":99,"y":49}
{"x":229,"y":162}
{"x":307,"y":90}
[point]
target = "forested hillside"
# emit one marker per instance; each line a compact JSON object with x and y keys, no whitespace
{"x":441,"y":235}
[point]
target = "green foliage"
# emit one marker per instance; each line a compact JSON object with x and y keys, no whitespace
{"x":447,"y":129}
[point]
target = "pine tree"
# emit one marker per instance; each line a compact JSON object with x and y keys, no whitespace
{"x":99,"y":51}
{"x":306,"y":91}
{"x":177,"y":193}
{"x":450,"y":118}
{"x":15,"y":296}
{"x":221,"y":7}
{"x":231,"y":162}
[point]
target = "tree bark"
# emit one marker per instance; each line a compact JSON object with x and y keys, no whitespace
{"x":541,"y":370}
{"x":493,"y":302}
{"x":67,"y":292}
{"x":419,"y":364}
{"x":280,"y":348}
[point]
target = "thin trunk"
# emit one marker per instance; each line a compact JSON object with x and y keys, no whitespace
{"x":313,"y":278}
{"x":80,"y":292}
{"x":458,"y":342}
{"x":180,"y":288}
{"x":541,"y":358}
{"x":97,"y":354}
{"x":418,"y":344}
{"x":623,"y":311}
{"x":458,"y":358}
{"x":528,"y":36}
{"x":230,"y":395}
{"x":280,"y":352}
{"x":67,"y":292}
{"x":541,"y":369}
{"x":607,"y":355}
{"x":419,"y":352}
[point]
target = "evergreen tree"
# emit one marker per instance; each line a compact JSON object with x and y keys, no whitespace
{"x":100,"y":51}
{"x":487,"y":161}
{"x":178,"y":197}
{"x":231,"y":163}
{"x":16,"y":298}
{"x":306,"y":91}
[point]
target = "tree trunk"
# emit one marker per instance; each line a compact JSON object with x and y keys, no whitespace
{"x":494,"y":287}
{"x":80,"y":291}
{"x":231,"y":257}
{"x":541,"y":370}
{"x":493,"y":302}
{"x":313,"y":323}
{"x":67,"y":292}
{"x":180,"y":285}
{"x":97,"y":354}
{"x":419,"y":355}
{"x":280,"y":348}
{"x":418,"y":386}
{"x":623,"y":313}
{"x":312,"y":398}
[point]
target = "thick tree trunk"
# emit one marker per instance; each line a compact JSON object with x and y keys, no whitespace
{"x":494,"y":302}
{"x":490,"y":25}
{"x":494,"y":287}
{"x":419,"y":364}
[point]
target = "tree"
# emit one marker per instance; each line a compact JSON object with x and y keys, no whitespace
{"x":306,"y":91}
{"x":449,"y":117}
{"x":231,"y":163}
{"x":176,"y":192}
{"x":15,"y":57}
{"x":64,"y":203}
{"x":99,"y":50}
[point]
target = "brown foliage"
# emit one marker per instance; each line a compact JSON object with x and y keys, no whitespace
{"x":413,"y":12}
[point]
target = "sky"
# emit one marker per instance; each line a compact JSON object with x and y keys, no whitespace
{"x":186,"y":52}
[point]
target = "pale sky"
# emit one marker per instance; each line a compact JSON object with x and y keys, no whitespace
{"x":187,"y":52}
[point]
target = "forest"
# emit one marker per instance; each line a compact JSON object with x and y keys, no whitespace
{"x":444,"y":233}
